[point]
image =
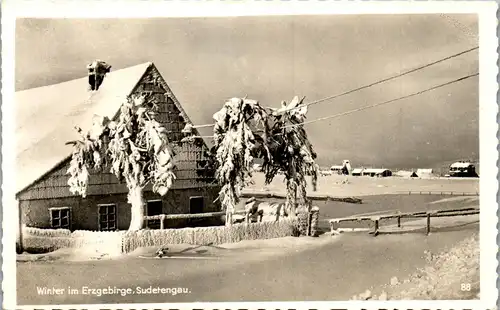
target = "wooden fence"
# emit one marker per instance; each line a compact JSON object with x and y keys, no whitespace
{"x":311,"y":197}
{"x":164,"y":217}
{"x":453,"y":193}
{"x":422,"y":214}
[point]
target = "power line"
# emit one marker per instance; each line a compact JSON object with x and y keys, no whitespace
{"x":373,"y":105}
{"x":367,"y":86}
{"x":382,"y":103}
{"x":386,"y":79}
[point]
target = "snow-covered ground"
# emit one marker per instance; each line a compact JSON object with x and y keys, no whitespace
{"x":342,"y":186}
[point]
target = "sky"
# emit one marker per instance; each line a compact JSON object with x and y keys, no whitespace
{"x":208,"y":60}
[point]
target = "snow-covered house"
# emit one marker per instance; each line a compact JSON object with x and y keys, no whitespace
{"x":463,"y":169}
{"x":45,"y":121}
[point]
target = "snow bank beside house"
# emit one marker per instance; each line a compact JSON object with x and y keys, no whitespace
{"x":36,"y":240}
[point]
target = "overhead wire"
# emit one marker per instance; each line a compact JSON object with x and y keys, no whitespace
{"x":373,"y":105}
{"x":383,"y":103}
{"x":387,"y":79}
{"x":368,"y":85}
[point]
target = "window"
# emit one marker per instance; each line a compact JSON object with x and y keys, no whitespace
{"x":60,"y":217}
{"x":107,"y":217}
{"x":154,"y":207}
{"x":196,"y":204}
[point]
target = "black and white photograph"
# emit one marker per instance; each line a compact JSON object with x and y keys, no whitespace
{"x":300,"y":156}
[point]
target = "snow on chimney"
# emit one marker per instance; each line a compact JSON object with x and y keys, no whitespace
{"x":96,"y":72}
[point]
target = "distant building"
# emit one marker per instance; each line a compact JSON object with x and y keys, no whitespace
{"x":344,"y":169}
{"x":406,"y":174}
{"x":425,"y":173}
{"x":336,"y":169}
{"x":463,"y":169}
{"x":377,"y":172}
{"x":357,"y":172}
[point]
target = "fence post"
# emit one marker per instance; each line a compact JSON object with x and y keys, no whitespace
{"x":375,"y":231}
{"x":428,"y":230}
{"x":399,"y":221}
{"x":162,"y":221}
{"x":309,"y":223}
{"x":314,"y":221}
{"x":302,"y":218}
{"x":278,"y":211}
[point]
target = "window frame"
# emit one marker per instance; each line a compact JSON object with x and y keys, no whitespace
{"x":99,"y":224}
{"x":60,"y":209}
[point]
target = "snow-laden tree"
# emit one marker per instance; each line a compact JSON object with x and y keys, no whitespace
{"x":291,"y":152}
{"x":134,"y":148}
{"x":240,"y":126}
{"x":244,"y":130}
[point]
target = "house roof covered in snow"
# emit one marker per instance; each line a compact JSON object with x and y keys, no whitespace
{"x":46,"y":117}
{"x":461,"y":164}
{"x":336,"y":167}
{"x":424,"y":171}
{"x":405,"y":173}
{"x":373,"y":170}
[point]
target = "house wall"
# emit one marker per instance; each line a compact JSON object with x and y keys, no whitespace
{"x":84,"y":211}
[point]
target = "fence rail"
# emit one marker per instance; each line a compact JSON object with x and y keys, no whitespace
{"x":164,"y":217}
{"x":422,"y":214}
{"x":311,"y":197}
{"x":453,"y":193}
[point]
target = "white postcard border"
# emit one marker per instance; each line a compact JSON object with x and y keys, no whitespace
{"x":122,"y":9}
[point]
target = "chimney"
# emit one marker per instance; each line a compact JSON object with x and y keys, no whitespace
{"x":96,"y":72}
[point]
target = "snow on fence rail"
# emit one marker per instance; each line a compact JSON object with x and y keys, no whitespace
{"x":212,"y":235}
{"x":249,"y":194}
{"x":163,"y":217}
{"x":422,"y":214}
{"x":454,"y":193}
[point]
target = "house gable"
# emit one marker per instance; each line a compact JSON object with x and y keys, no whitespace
{"x":190,"y":158}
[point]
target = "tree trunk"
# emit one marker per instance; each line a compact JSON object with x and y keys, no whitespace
{"x":136,"y":199}
{"x":291,"y":198}
{"x":229,"y":207}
